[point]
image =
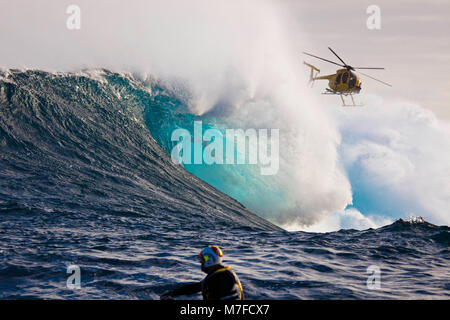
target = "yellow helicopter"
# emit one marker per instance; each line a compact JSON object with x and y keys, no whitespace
{"x":344,"y":82}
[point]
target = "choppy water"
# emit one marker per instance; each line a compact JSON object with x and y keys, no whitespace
{"x":82,"y":182}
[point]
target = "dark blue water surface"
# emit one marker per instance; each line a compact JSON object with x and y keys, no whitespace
{"x":83,"y":182}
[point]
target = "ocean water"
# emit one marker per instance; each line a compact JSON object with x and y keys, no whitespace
{"x":86,"y":180}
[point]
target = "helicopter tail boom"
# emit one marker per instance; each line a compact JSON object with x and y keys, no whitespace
{"x":314,"y":74}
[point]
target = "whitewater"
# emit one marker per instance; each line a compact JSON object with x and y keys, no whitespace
{"x":86,"y":179}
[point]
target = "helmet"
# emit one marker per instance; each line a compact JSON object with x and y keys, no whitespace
{"x":211,"y":256}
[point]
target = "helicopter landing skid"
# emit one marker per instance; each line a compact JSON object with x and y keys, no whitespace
{"x":328,"y":91}
{"x":350,"y":105}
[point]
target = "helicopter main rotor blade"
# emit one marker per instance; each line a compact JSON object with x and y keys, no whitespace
{"x":346,"y":65}
{"x":323,"y":59}
{"x":385,"y":83}
{"x":368,"y":68}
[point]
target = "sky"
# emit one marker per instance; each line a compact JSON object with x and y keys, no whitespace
{"x":413,"y":44}
{"x":340,"y":168}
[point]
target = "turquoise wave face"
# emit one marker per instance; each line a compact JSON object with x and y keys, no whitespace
{"x":243,"y":182}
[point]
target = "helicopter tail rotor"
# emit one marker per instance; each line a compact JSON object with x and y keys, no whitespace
{"x":312,"y":75}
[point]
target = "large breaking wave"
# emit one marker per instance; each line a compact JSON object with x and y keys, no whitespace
{"x":82,"y":139}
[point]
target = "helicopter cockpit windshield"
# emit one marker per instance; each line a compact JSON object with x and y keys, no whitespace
{"x":352,"y":81}
{"x":344,"y":77}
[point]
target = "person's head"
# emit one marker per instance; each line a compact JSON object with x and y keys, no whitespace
{"x":210,"y":258}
